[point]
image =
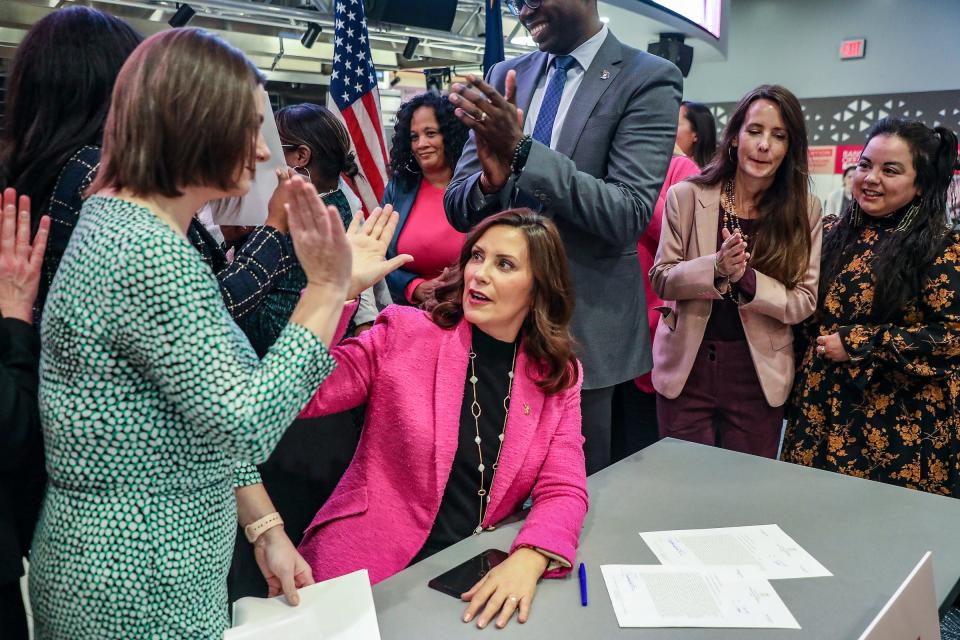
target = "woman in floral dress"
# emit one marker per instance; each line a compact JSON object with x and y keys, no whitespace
{"x":878,"y":389}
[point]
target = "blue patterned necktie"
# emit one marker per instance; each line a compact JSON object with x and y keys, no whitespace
{"x":543,"y":130}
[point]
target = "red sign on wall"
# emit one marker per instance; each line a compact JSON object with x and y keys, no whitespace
{"x":846,"y":156}
{"x":853,"y":48}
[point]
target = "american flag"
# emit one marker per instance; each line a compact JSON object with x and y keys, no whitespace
{"x":353,"y":89}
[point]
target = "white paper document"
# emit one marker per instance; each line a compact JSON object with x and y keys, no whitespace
{"x":722,"y":597}
{"x":251,"y":209}
{"x":764,"y":546}
{"x":912,"y":611}
{"x":338,"y":609}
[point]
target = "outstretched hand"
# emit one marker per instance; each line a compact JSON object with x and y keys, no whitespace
{"x":318,"y":237}
{"x":19,"y":261}
{"x":369,"y":240}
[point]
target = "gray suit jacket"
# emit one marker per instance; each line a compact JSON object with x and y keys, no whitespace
{"x":599,"y":186}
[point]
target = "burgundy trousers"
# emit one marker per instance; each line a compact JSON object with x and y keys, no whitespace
{"x":722,"y":403}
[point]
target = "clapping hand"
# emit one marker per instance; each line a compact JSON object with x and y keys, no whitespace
{"x":731,"y":259}
{"x":19,"y":261}
{"x":509,"y":586}
{"x":496,"y":123}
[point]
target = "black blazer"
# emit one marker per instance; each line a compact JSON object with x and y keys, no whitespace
{"x":22,"y":474}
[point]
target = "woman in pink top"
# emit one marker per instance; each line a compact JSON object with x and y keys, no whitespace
{"x":471,"y":408}
{"x":427,"y":142}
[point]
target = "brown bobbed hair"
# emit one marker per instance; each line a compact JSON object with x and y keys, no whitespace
{"x":782,"y":247}
{"x":546,"y":329}
{"x":183,"y":114}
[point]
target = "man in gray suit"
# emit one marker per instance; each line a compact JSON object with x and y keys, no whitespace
{"x":591,"y":154}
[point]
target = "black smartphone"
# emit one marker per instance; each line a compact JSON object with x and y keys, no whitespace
{"x":463,"y":576}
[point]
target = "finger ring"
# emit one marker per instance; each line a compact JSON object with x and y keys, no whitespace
{"x":482,"y":117}
{"x":821,"y":349}
{"x":512,"y":599}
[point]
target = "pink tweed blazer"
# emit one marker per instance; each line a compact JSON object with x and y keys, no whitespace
{"x":411,"y":373}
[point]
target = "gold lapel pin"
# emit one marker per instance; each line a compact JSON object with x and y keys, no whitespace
{"x":605,"y":75}
{"x":526,"y":409}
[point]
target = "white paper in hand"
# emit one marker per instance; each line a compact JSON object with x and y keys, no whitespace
{"x":251,"y":209}
{"x":337,"y":609}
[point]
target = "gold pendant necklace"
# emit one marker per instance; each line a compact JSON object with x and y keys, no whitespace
{"x":476,"y":412}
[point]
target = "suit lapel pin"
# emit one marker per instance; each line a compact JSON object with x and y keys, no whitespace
{"x":605,"y":75}
{"x":526,"y":409}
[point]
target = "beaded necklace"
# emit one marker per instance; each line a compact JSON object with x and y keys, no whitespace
{"x":476,"y":412}
{"x":728,"y":202}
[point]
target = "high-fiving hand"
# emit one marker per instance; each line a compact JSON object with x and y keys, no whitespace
{"x":369,"y":240}
{"x":19,"y":261}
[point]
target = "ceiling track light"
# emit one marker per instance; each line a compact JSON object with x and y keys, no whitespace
{"x":411,"y":48}
{"x":311,"y":34}
{"x":182,"y":16}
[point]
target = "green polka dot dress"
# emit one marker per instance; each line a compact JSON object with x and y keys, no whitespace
{"x":153,"y":403}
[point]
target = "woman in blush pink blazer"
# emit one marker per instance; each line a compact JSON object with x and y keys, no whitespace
{"x":738,"y":265}
{"x":440,"y":457}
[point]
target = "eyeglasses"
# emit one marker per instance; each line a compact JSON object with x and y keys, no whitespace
{"x":290,"y":146}
{"x":516,"y":6}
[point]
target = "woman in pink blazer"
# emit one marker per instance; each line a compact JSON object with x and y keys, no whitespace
{"x":441,"y":456}
{"x":738,"y":264}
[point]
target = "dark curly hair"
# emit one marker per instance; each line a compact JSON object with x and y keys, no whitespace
{"x":406,"y":171}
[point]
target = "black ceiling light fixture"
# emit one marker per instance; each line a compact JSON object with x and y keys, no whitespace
{"x":182,"y":16}
{"x":411,"y":48}
{"x":311,"y":34}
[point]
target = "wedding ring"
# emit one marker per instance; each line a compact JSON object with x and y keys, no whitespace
{"x":512,"y":599}
{"x":482,"y":117}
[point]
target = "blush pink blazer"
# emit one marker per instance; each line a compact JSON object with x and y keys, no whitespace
{"x":411,"y":374}
{"x":683,"y":276}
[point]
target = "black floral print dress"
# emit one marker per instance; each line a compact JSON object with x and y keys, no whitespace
{"x":890,"y":413}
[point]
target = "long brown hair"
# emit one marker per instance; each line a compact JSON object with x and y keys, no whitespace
{"x":782,"y":247}
{"x":183,"y":114}
{"x":546,"y":329}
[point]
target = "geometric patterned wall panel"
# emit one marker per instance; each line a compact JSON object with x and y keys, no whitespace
{"x":843,"y":120}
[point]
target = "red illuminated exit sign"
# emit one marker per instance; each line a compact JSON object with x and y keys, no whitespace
{"x":853,"y":48}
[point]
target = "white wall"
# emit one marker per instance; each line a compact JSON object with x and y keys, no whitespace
{"x":912,"y":45}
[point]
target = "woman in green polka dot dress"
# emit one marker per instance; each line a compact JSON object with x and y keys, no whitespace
{"x":153,"y":403}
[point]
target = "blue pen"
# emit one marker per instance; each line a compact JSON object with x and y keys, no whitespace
{"x":583,"y":585}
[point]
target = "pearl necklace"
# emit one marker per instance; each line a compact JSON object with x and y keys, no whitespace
{"x":476,"y":412}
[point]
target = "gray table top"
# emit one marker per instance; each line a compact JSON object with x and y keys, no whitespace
{"x":869,"y":535}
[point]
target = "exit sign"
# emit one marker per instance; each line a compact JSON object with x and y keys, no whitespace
{"x":853,"y":48}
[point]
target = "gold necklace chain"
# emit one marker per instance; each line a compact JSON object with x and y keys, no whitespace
{"x":476,"y":412}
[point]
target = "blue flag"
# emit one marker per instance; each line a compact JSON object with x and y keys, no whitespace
{"x":493,"y":48}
